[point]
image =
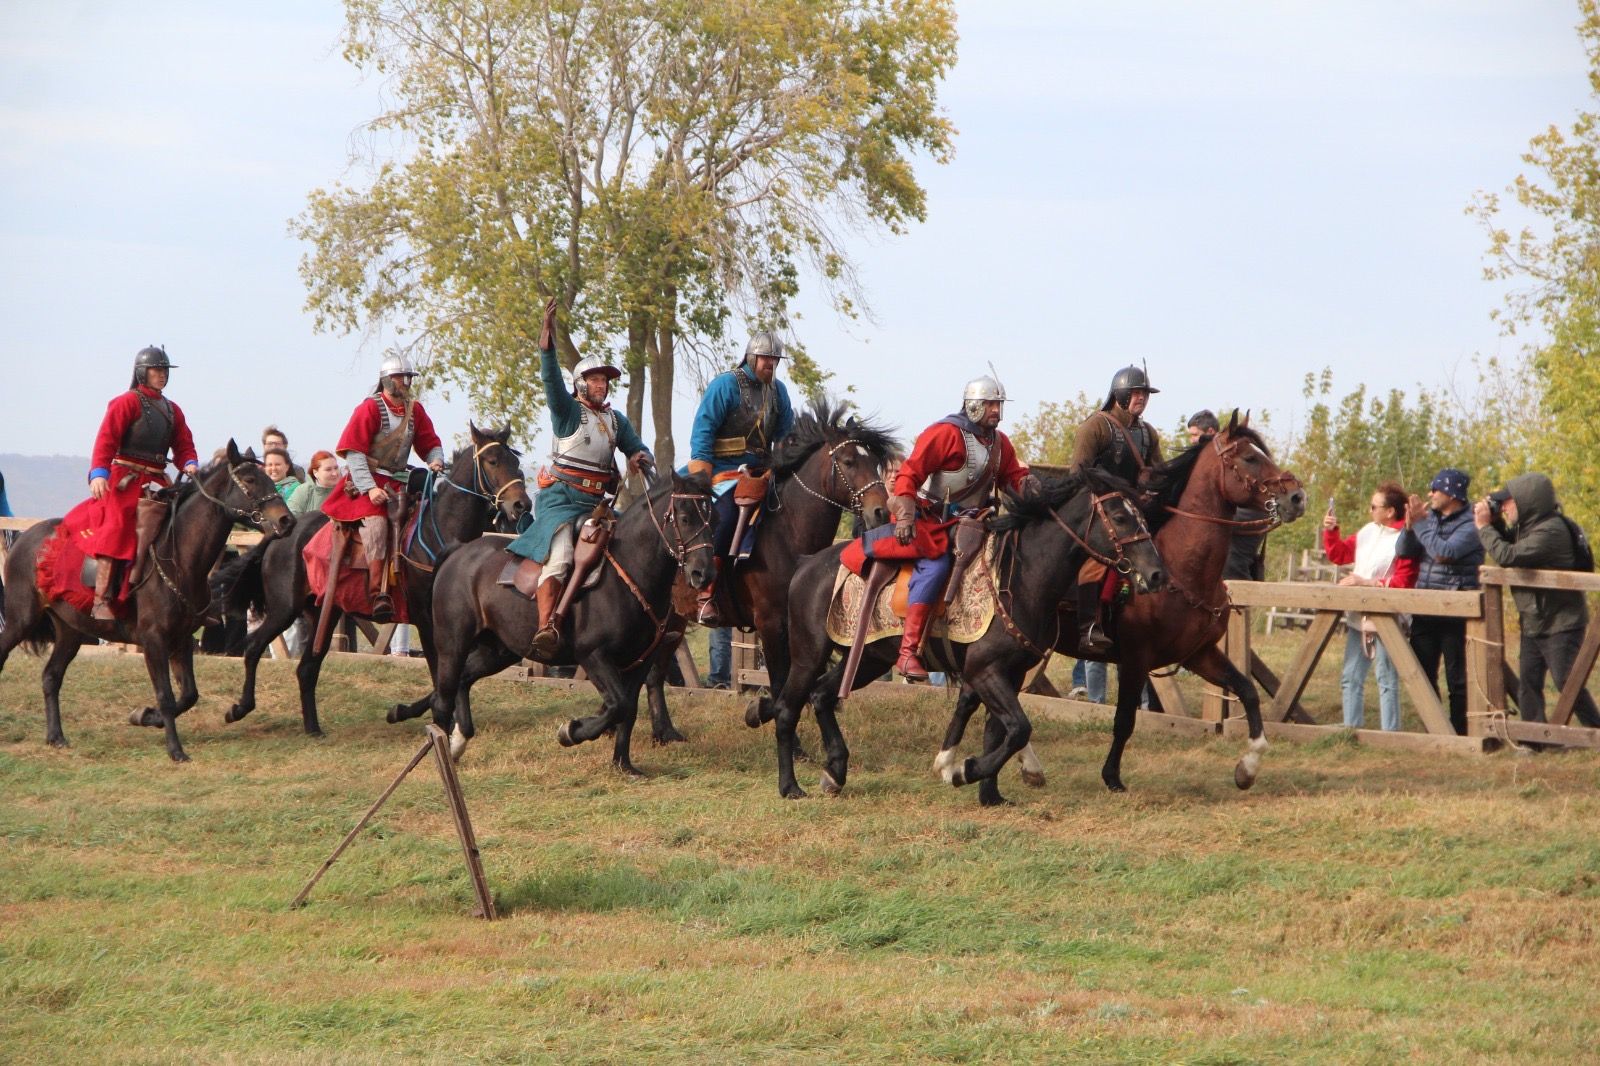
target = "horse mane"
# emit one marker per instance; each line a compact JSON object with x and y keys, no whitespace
{"x":825,"y":421}
{"x":1166,"y":481}
{"x":1054,"y":491}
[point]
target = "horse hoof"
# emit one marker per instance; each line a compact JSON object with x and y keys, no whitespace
{"x":670,"y":736}
{"x":180,"y":756}
{"x":316,"y":733}
{"x":146,"y":717}
{"x":995,"y":800}
{"x":1242,"y":777}
{"x":58,"y":742}
{"x":944,"y":764}
{"x":1033,"y":778}
{"x":752,"y":714}
{"x":794,"y":792}
{"x":829,"y":786}
{"x":234,"y":714}
{"x":630,"y":771}
{"x":564,"y":736}
{"x":393,"y":717}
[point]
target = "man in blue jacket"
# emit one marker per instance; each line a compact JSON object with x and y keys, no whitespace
{"x":1441,"y":536}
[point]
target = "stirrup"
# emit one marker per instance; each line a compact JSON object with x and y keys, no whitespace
{"x":382,"y":608}
{"x":708,"y":615}
{"x":1093,"y":638}
{"x":546,"y":644}
{"x":910,"y":667}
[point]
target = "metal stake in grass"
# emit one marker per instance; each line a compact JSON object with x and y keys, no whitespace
{"x":438,"y":743}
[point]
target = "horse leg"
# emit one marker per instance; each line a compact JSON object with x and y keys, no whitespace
{"x":1006,"y":732}
{"x":1214,"y":667}
{"x":662,"y":731}
{"x":157,"y":665}
{"x":181,"y":662}
{"x":946,"y":763}
{"x":308,"y":671}
{"x":404,"y":712}
{"x":1130,"y":684}
{"x":621,"y":749}
{"x":67,"y":643}
{"x":825,"y":707}
{"x":994,"y":732}
{"x":279,"y":618}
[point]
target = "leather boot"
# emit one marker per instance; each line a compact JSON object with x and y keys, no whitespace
{"x":1092,"y":637}
{"x":105,"y":576}
{"x":909,"y":666}
{"x":378,"y":590}
{"x":547,"y":641}
{"x":146,"y":526}
{"x":708,"y":614}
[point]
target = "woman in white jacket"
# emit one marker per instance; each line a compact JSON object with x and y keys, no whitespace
{"x":1371,"y":549}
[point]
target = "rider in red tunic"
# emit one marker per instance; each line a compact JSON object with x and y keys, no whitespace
{"x":380,"y":436}
{"x":953,"y":468}
{"x":139,"y":429}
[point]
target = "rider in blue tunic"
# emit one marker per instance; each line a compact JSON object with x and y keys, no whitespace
{"x":742,"y":417}
{"x":581,"y":474}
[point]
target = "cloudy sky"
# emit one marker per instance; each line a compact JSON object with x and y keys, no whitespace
{"x":1238,"y":193}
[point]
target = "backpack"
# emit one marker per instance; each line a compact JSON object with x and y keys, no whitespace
{"x":1583,"y":554}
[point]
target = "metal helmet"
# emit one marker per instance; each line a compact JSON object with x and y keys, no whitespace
{"x":763,"y":343}
{"x":396,"y":363}
{"x":589,"y":364}
{"x":978,"y":392}
{"x":1125,"y":382}
{"x":152,"y":358}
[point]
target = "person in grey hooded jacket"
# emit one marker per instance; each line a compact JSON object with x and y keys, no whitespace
{"x":1532,"y":533}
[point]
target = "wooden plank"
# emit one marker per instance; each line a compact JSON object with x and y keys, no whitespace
{"x":1494,"y":639}
{"x":458,"y":811}
{"x":1268,"y":680}
{"x":1427,"y":743}
{"x":1300,"y":596}
{"x":1569,"y":580}
{"x":1581,"y":667}
{"x":1547,"y":733}
{"x":1479,"y":665}
{"x":1405,"y":662}
{"x":687,"y":666}
{"x":1083,"y":711}
{"x":1305,"y":659}
{"x":280,"y":649}
{"x":1170,"y":695}
{"x":383,"y":638}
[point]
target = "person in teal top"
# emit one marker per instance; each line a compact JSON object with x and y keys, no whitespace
{"x":581,"y":473}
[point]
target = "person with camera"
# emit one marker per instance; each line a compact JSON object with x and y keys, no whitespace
{"x":1439,"y":534}
{"x":1522,"y":526}
{"x":1370,"y":553}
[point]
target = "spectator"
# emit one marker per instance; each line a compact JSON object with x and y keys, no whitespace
{"x":1531,"y":532}
{"x":1439,"y":534}
{"x":1202,"y":424}
{"x":1371,"y":549}
{"x":1088,"y":681}
{"x":324,"y":476}
{"x":276,"y":464}
{"x":721,"y":651}
{"x":272,"y":437}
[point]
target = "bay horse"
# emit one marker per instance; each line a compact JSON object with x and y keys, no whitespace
{"x":168,"y":603}
{"x":830,"y":464}
{"x":1195,"y":496}
{"x":481,"y":627}
{"x":1042,"y":544}
{"x":484,"y":484}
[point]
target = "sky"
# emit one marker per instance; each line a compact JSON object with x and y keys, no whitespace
{"x":1235,"y":193}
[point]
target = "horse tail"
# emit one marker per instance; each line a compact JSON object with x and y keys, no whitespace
{"x":238,"y":586}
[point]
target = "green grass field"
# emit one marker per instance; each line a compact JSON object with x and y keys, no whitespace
{"x":1356,"y":906}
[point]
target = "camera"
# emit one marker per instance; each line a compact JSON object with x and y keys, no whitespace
{"x":1495,"y":500}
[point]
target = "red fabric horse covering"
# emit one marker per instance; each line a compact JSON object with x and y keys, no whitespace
{"x":59,"y":572}
{"x":351,"y":595}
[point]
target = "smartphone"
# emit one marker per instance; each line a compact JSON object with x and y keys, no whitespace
{"x":1330,"y":507}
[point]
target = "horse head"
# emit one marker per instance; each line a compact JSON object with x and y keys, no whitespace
{"x":497,"y":474}
{"x":250,"y":494}
{"x":839,"y":459}
{"x":1249,"y":477}
{"x":1115,"y":530}
{"x":686,"y":525}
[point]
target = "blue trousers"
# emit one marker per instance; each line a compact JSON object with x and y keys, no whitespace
{"x":927,"y":575}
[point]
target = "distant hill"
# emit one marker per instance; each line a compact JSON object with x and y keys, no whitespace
{"x":44,"y":486}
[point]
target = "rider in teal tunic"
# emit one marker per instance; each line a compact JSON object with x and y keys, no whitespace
{"x":582,"y":471}
{"x":741,"y":418}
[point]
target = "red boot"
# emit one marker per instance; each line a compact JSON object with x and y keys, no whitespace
{"x":908,"y":665}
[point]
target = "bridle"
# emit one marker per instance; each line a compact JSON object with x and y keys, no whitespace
{"x":481,"y":488}
{"x":1265,"y":490}
{"x":836,"y":473}
{"x":1119,"y":544}
{"x":255,"y":516}
{"x":678,"y":546}
{"x":480,"y":481}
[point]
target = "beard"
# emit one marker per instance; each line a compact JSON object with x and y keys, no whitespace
{"x":396,"y":390}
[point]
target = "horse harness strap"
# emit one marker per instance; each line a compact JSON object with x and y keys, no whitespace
{"x":1002,"y":591}
{"x":638,"y":594}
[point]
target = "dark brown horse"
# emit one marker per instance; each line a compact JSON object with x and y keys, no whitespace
{"x":1196,"y":495}
{"x":168,"y":603}
{"x":1041,"y":548}
{"x":484,"y":484}
{"x":481,"y":627}
{"x":830,"y":464}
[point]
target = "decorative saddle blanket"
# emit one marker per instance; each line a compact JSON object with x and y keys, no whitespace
{"x":966,"y":620}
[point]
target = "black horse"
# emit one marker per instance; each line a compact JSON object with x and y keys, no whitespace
{"x":167,"y":605}
{"x":1042,"y":544}
{"x":481,"y":627}
{"x":484,"y":484}
{"x":831,"y":463}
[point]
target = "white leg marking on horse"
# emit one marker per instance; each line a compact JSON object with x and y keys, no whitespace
{"x":945,"y":763}
{"x":1252,"y":759}
{"x":1032,"y":768}
{"x":458,"y":743}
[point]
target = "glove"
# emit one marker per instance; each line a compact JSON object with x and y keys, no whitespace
{"x":1030,"y":487}
{"x":640,"y":460}
{"x":904,"y":511}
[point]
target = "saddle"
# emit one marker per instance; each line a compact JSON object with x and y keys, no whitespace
{"x":963,"y":618}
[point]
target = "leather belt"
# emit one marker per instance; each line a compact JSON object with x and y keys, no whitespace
{"x":134,"y":464}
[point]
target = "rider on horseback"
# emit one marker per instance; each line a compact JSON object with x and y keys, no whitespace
{"x":582,"y":475}
{"x":121,"y":520}
{"x":742,"y":417}
{"x":1115,"y":439}
{"x":375,"y":444}
{"x":953,"y":469}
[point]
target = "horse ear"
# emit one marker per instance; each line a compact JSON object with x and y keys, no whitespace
{"x":1246,"y":421}
{"x":234,"y":458}
{"x":1233,"y":422}
{"x":478,"y":436}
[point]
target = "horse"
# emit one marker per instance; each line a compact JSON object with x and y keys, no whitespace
{"x":829,"y":464}
{"x":484,"y":484}
{"x":166,"y":610}
{"x":1041,"y":545}
{"x":481,"y":627}
{"x":1195,"y":496}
